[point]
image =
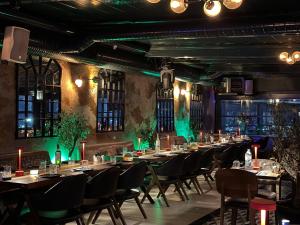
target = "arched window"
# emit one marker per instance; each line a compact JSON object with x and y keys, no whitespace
{"x":165,"y":109}
{"x":38,"y":97}
{"x":196,"y":108}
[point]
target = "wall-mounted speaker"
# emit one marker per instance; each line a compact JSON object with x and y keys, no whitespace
{"x":15,"y":44}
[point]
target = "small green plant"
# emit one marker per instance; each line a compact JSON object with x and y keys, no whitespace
{"x":147,"y":132}
{"x":72,"y":129}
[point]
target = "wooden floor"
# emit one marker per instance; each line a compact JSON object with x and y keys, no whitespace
{"x":179,"y":212}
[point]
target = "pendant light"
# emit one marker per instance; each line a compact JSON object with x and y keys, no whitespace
{"x":153,"y":1}
{"x":283,"y":56}
{"x":212,"y":8}
{"x":178,"y":6}
{"x":232,"y":4}
{"x":296,"y":56}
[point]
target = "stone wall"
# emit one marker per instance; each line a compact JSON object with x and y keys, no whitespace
{"x":139,"y":105}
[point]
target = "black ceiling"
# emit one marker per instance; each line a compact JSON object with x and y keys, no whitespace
{"x":243,"y":41}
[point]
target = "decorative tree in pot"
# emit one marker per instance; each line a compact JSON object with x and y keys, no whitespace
{"x":147,"y":132}
{"x":72,"y":128}
{"x":287,"y":143}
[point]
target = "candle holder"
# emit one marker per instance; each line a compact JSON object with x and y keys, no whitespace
{"x":20,"y":172}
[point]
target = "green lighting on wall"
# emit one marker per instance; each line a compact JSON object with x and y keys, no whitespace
{"x":150,"y":73}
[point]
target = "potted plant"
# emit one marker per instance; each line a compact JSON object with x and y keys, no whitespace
{"x":72,"y":128}
{"x":147,"y":132}
{"x":287,"y":146}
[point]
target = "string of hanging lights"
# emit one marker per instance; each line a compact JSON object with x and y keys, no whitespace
{"x":211,"y":8}
{"x":290,"y":58}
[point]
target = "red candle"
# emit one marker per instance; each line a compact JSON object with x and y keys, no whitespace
{"x":168,"y":137}
{"x":139,"y":140}
{"x":201,"y":134}
{"x":20,"y":158}
{"x":83,"y":150}
{"x":255,"y":152}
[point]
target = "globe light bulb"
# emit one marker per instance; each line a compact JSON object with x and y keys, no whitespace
{"x":153,"y":1}
{"x":232,"y":4}
{"x":212,"y":8}
{"x":290,"y":61}
{"x":78,"y":82}
{"x":296,"y":56}
{"x":178,"y":6}
{"x":283,"y":56}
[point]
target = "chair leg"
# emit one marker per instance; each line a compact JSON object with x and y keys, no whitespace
{"x":208,"y":182}
{"x":252,"y":216}
{"x":162,"y":193}
{"x":91,"y":216}
{"x":188,"y":186}
{"x":111,"y":214}
{"x":179,"y":191}
{"x":146,"y":194}
{"x":196,"y":187}
{"x":119,"y":213}
{"x":96,"y":216}
{"x":140,"y":207}
{"x":234,"y":216}
{"x":198,"y":184}
{"x":222,"y":210}
{"x":183,"y":190}
{"x":81,"y":220}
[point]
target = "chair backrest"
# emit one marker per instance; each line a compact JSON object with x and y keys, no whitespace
{"x":206,"y":159}
{"x":172,"y":167}
{"x":66,"y":194}
{"x":191,"y":162}
{"x":104,"y":184}
{"x":236,"y":183}
{"x":133,"y":177}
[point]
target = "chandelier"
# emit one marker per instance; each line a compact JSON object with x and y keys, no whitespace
{"x":290,"y":58}
{"x":211,"y":8}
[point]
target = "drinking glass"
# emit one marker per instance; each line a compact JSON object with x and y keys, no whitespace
{"x":236,"y":164}
{"x":113,"y":160}
{"x":124,"y":151}
{"x":84,"y":164}
{"x":6,"y":173}
{"x":43,"y":167}
{"x":53,"y":169}
{"x":185,"y":146}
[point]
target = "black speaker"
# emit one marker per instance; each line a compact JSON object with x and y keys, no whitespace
{"x":15,"y":44}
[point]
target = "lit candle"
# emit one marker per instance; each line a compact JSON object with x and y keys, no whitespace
{"x":255,"y":151}
{"x":263,"y":217}
{"x":139,"y":140}
{"x":239,"y":131}
{"x":83,"y":149}
{"x":201,"y":134}
{"x":168,"y":138}
{"x":20,"y":158}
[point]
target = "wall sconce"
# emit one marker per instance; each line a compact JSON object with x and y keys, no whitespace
{"x":290,"y":58}
{"x":183,"y":92}
{"x":79,"y":82}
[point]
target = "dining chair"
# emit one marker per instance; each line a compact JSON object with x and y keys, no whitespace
{"x":189,"y":171}
{"x":129,"y":184}
{"x":61,"y":203}
{"x":206,"y":165}
{"x":169,"y":173}
{"x":99,"y":195}
{"x":239,"y":186}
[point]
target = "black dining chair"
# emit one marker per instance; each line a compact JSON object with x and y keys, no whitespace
{"x":129,"y":184}
{"x":169,"y":173}
{"x":206,"y":165}
{"x":99,"y":195}
{"x":190,"y":167}
{"x":61,"y":203}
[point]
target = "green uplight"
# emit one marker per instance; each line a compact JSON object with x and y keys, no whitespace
{"x":150,"y":73}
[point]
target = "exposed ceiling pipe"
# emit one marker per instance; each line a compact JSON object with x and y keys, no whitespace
{"x":15,"y":16}
{"x":183,"y":31}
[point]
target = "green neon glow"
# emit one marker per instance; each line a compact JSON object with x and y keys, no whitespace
{"x":150,"y":73}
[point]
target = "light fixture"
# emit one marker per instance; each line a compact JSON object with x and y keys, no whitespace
{"x":178,"y":6}
{"x":79,"y":82}
{"x":290,"y":58}
{"x":232,"y":4}
{"x":283,"y":56}
{"x":212,"y":8}
{"x":183,"y":92}
{"x":153,"y":1}
{"x":296,"y":56}
{"x":290,"y":61}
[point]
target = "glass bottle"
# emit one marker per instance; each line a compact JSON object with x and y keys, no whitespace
{"x":248,"y":159}
{"x":57,"y":155}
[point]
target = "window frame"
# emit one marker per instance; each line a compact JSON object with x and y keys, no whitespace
{"x":37,"y":65}
{"x":196,"y":111}
{"x":165,"y":97}
{"x":107,"y":86}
